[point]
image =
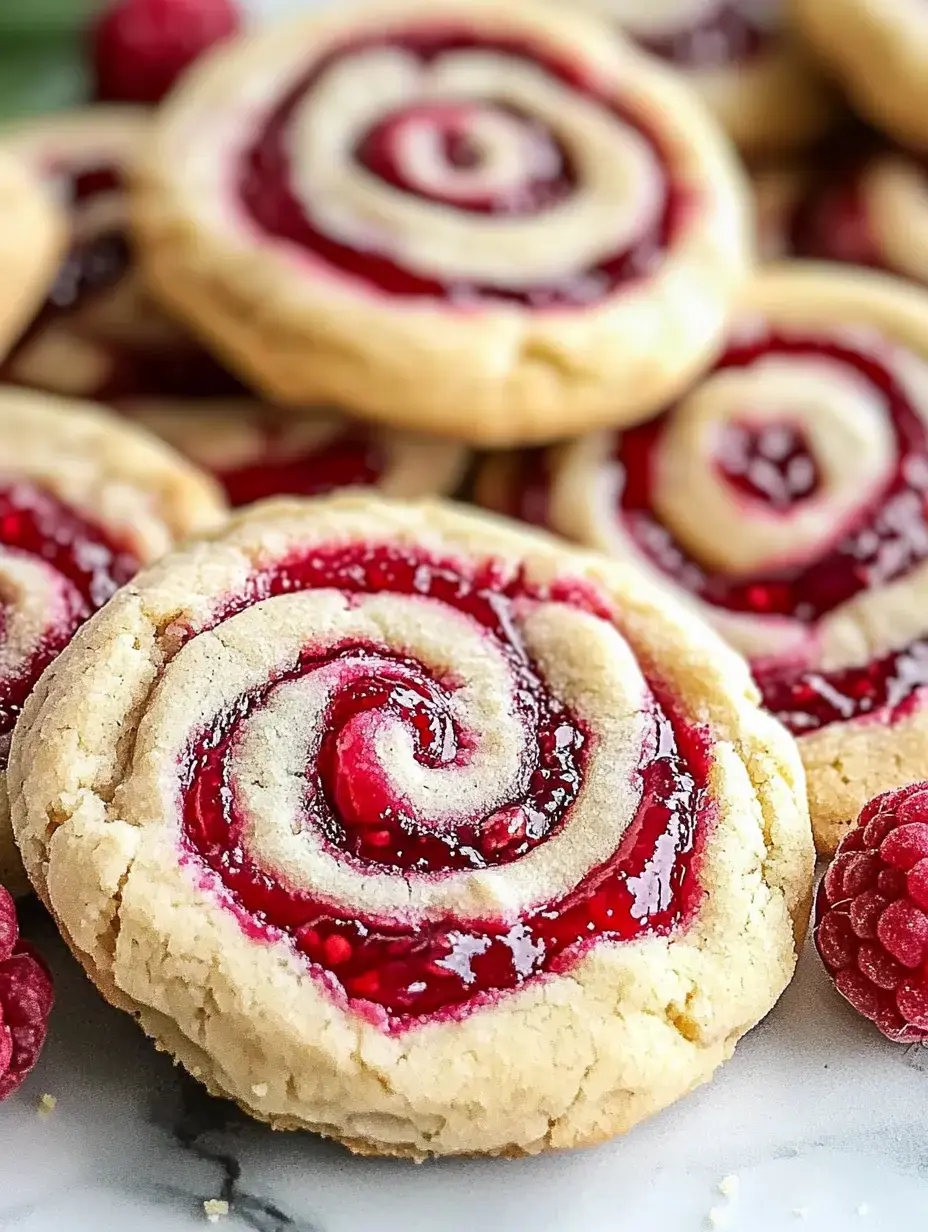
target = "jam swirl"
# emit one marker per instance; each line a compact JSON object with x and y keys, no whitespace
{"x":401,"y":971}
{"x":548,"y":176}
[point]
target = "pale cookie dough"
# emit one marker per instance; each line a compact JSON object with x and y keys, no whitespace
{"x":256,"y":452}
{"x":431,"y":731}
{"x":879,"y":53}
{"x":32,"y":234}
{"x":743,"y":61}
{"x":84,"y":500}
{"x":519,"y":230}
{"x":785,"y":499}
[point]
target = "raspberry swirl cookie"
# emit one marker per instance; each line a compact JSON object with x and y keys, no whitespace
{"x":84,"y":501}
{"x":255,"y":453}
{"x":787,"y":496}
{"x":463,"y":842}
{"x":482,"y":220}
{"x":31,"y":236}
{"x":879,"y":53}
{"x":740,"y":58}
{"x":98,"y":335}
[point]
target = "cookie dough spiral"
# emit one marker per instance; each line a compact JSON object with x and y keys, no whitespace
{"x":431,"y":798}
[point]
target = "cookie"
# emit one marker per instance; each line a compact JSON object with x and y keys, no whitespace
{"x":464,"y":841}
{"x":98,"y":334}
{"x":31,"y":237}
{"x":743,"y":61}
{"x":863,"y":203}
{"x":84,"y":501}
{"x":256,"y":452}
{"x":785,"y":497}
{"x":489,"y":222}
{"x":879,"y":53}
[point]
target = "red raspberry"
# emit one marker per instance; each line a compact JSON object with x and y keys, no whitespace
{"x":140,"y":47}
{"x":871,"y":914}
{"x":25,"y":1001}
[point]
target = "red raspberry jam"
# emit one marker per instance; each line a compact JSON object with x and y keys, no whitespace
{"x":406,"y":969}
{"x":351,"y":460}
{"x":549,"y":176}
{"x":729,"y":34}
{"x":770,"y":462}
{"x":89,"y":562}
{"x":888,"y":538}
{"x":266,"y":179}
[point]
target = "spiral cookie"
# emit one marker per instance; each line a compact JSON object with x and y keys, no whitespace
{"x":464,"y":841}
{"x":879,"y":52}
{"x":31,"y":235}
{"x":862,"y":206}
{"x":487,"y":221}
{"x":255,"y":453}
{"x":786,"y":495}
{"x":98,"y":335}
{"x":740,"y":58}
{"x":84,"y":501}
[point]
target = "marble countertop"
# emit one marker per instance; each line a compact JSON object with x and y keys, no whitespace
{"x":822,"y":1124}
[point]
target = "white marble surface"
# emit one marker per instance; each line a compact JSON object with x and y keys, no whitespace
{"x":824,"y":1124}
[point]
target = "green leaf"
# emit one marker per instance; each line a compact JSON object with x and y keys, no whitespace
{"x":39,"y":19}
{"x":41,"y":76}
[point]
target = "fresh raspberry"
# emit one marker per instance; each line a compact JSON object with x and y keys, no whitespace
{"x":25,"y":1001}
{"x":871,"y":914}
{"x":140,"y":47}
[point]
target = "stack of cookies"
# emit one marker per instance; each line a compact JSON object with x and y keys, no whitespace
{"x":442,"y":830}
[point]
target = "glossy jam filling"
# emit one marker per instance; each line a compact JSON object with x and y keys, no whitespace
{"x":407,"y":969}
{"x":266,"y":179}
{"x":90,"y":563}
{"x":549,"y":177}
{"x":346,"y":462}
{"x":770,"y":464}
{"x":729,"y":34}
{"x":888,"y":538}
{"x":807,"y":700}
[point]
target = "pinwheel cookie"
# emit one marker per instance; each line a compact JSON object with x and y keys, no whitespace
{"x":98,"y":335}
{"x":463,"y":842}
{"x":787,"y":496}
{"x":879,"y":52}
{"x":741,"y":58}
{"x":255,"y":452}
{"x":31,"y":237}
{"x":483,"y":220}
{"x":84,"y":501}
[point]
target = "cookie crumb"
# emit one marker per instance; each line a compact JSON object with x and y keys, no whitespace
{"x":717,"y":1218}
{"x":728,"y":1186}
{"x":46,"y":1104}
{"x":863,"y":1210}
{"x":215,"y":1209}
{"x":259,"y":1089}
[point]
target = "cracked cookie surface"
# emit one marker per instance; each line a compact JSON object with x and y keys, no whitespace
{"x":85,"y":500}
{"x":496,"y":225}
{"x":463,"y":841}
